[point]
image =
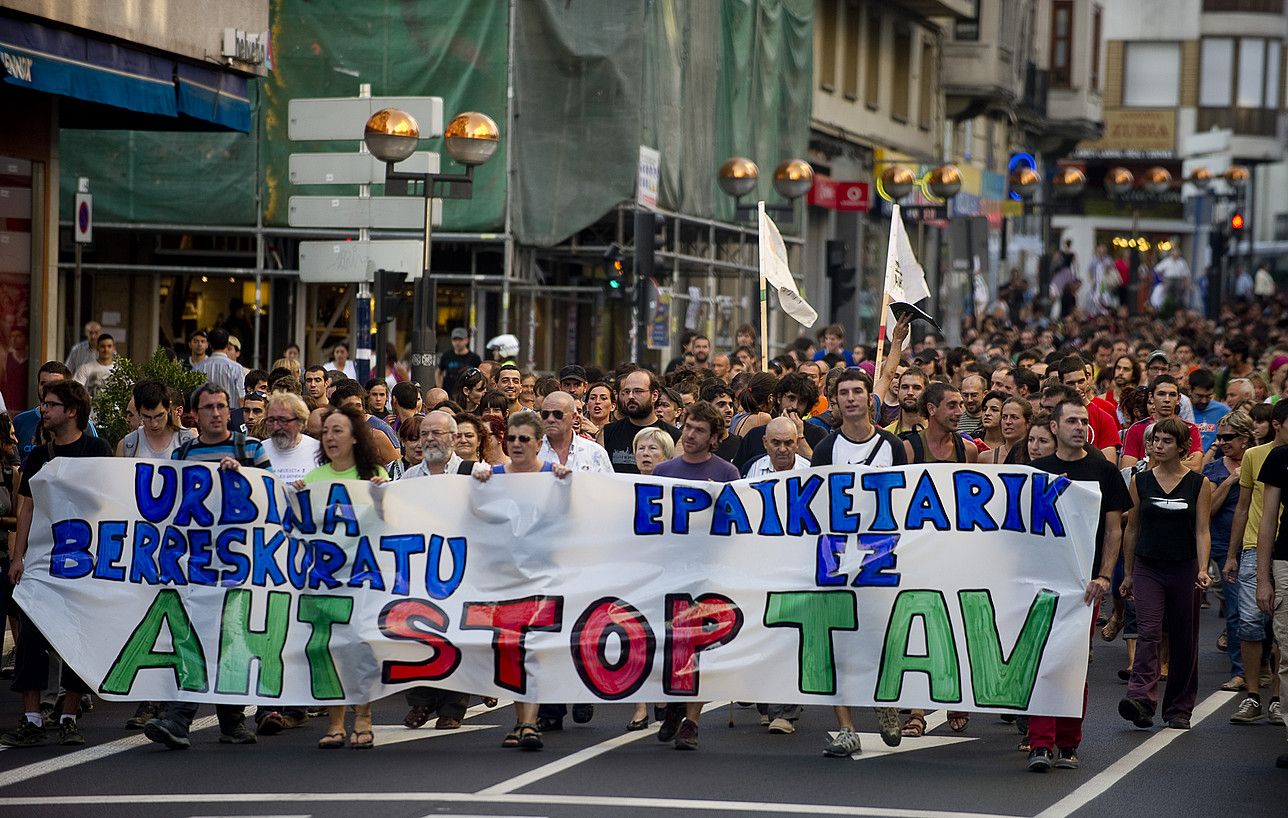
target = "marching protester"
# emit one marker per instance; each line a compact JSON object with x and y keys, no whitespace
{"x":1234,"y":436}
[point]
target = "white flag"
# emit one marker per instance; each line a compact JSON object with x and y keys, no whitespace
{"x":905,"y":280}
{"x":774,"y":270}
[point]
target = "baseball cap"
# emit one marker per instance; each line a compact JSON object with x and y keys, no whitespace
{"x":1156,"y":354}
{"x":573,"y":372}
{"x":459,"y":332}
{"x":926,"y":356}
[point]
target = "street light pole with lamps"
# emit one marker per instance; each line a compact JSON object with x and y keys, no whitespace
{"x":471,"y":139}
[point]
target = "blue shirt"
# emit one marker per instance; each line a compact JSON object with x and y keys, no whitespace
{"x":1206,"y":420}
{"x":845,"y":353}
{"x":1223,"y":518}
{"x":25,"y":425}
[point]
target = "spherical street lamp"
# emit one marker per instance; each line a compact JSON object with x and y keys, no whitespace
{"x":391,"y":135}
{"x":1118,"y":180}
{"x":896,"y":181}
{"x":945,"y":182}
{"x":1025,"y":182}
{"x":1157,"y":180}
{"x":793,"y":178}
{"x":1237,"y":176}
{"x":1201,"y":178}
{"x":471,"y":138}
{"x":738,"y":176}
{"x":1069,"y":182}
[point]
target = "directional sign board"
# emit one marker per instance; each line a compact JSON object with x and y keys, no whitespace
{"x":390,"y":212}
{"x":344,"y":117}
{"x":353,"y":168}
{"x":346,"y":262}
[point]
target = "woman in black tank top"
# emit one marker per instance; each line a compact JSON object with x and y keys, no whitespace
{"x":1166,"y":553}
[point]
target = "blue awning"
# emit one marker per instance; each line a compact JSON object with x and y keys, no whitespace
{"x":72,"y":64}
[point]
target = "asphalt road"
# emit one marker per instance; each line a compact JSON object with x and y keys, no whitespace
{"x":1216,"y":769}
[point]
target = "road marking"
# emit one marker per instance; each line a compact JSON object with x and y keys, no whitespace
{"x":579,"y":757}
{"x":396,"y":734}
{"x":306,"y":815}
{"x":53,"y":765}
{"x":877,"y":747}
{"x":543,"y":799}
{"x":1121,"y":768}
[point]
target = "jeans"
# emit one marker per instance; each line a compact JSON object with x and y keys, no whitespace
{"x":182,"y":713}
{"x":1167,"y":599}
{"x":1252,"y":622}
{"x":1219,"y":554}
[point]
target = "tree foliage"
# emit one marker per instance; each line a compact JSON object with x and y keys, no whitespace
{"x":114,"y":394}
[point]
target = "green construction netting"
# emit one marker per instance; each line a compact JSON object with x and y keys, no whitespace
{"x":699,"y":81}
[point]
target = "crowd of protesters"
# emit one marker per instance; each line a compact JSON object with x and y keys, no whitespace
{"x":1181,"y":422}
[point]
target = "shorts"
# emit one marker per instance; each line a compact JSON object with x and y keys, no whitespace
{"x":1252,"y":622}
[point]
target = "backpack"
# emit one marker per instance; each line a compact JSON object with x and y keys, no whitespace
{"x":919,"y":451}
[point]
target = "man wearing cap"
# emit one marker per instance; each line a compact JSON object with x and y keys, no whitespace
{"x":572,"y":379}
{"x":452,"y":364}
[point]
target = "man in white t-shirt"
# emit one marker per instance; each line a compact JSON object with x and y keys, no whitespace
{"x":292,"y":453}
{"x":781,"y":443}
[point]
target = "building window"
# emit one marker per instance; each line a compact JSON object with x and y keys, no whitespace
{"x":827,"y":46}
{"x":1252,"y":73}
{"x":1061,"y":43}
{"x":966,"y":29}
{"x":853,"y":36}
{"x":872,"y":70}
{"x":902,"y":82}
{"x":1151,"y":74}
{"x":1216,"y":72}
{"x":1097,"y":17}
{"x":1274,"y":64}
{"x":1281,"y":227}
{"x":926,"y":92}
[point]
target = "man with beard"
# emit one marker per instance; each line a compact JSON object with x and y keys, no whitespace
{"x":794,"y":395}
{"x":973,"y":389}
{"x":1126,"y":378}
{"x":701,"y":352}
{"x":912,"y":384}
{"x":636,"y":394}
{"x":437,"y":431}
{"x":292,"y":453}
{"x":573,"y":380}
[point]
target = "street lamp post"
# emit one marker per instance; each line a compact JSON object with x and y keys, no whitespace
{"x":392,"y":136}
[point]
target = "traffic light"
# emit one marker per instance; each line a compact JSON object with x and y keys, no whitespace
{"x":387,"y":293}
{"x":841,"y":279}
{"x":614,"y":272}
{"x":1236,"y":222}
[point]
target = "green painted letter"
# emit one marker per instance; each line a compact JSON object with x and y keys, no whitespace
{"x":187,"y":660}
{"x":999,"y":682}
{"x":940,"y":660}
{"x":239,"y":644}
{"x":815,"y":614}
{"x":322,"y":612}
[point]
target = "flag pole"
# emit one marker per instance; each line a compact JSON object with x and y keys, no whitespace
{"x":764,"y":299}
{"x":895,"y":216}
{"x":881,"y":328}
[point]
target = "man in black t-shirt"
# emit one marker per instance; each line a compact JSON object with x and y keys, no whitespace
{"x":636,"y":397}
{"x":1054,"y":741}
{"x":64,"y":413}
{"x":452,"y":364}
{"x":1272,"y":570}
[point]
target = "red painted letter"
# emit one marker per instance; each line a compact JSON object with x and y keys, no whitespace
{"x":692,"y":627}
{"x":409,"y":619}
{"x":636,"y":643}
{"x":510,"y":622}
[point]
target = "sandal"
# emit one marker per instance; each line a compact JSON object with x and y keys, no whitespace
{"x":958,"y":721}
{"x":489,"y":701}
{"x":331,"y":741}
{"x":530,"y":737}
{"x":417,"y":716}
{"x":511,"y":738}
{"x":362,"y":740}
{"x":914,"y":727}
{"x":637,"y":724}
{"x":1223,"y":642}
{"x":1235,"y":685}
{"x":1112,"y":628}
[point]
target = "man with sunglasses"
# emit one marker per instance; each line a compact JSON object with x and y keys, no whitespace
{"x":561,"y":445}
{"x":64,"y":412}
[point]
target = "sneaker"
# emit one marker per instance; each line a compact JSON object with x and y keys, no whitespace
{"x":582,"y":713}
{"x":69,"y":734}
{"x":240,"y":734}
{"x":1249,"y":712}
{"x":844,"y":744}
{"x":1067,"y":759}
{"x":1136,"y":712}
{"x":145,"y":713}
{"x":1178,"y":723}
{"x":26,"y":735}
{"x":891,"y":731}
{"x":1039,"y":760}
{"x":1275,"y":714}
{"x":670,"y":722}
{"x":686,"y":738}
{"x":270,"y":724}
{"x":782,"y":726}
{"x":164,"y":731}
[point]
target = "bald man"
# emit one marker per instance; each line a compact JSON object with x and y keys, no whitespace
{"x":781,"y":442}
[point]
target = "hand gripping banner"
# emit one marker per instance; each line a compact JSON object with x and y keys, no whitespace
{"x":920,"y":586}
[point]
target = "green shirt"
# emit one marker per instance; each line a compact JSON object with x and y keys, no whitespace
{"x":326,"y":474}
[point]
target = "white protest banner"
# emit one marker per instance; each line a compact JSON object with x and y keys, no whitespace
{"x":919,"y":586}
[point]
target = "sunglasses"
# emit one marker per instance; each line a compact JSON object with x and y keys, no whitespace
{"x":1228,"y":438}
{"x":557,"y":414}
{"x":518,"y":438}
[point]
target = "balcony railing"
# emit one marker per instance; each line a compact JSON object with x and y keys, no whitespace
{"x":1246,"y":6}
{"x":1243,"y":121}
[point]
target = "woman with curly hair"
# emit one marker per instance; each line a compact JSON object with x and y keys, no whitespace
{"x":474,"y":440}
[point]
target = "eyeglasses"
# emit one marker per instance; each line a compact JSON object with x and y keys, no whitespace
{"x":557,"y":414}
{"x":1228,"y":438}
{"x":50,"y":404}
{"x":518,"y":438}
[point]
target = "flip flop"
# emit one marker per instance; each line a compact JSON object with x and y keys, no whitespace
{"x":362,"y":740}
{"x":331,"y":741}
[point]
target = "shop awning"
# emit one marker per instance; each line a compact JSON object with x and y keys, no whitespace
{"x":78,"y":65}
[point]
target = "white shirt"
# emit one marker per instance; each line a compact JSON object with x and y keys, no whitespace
{"x":583,"y":455}
{"x":92,"y":375}
{"x":1265,"y":283}
{"x":763,"y":466}
{"x":1173,"y":268}
{"x":292,"y":464}
{"x":876,"y":451}
{"x":422,"y":470}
